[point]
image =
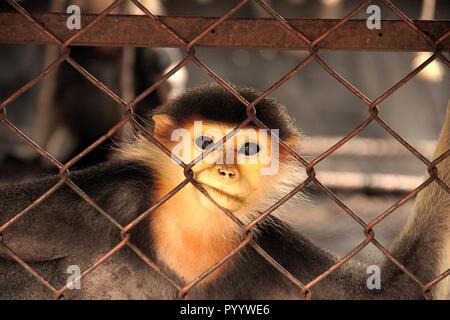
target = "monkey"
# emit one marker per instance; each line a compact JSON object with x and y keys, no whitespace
{"x":190,"y":232}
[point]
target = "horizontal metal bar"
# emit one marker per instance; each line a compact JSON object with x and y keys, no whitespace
{"x":126,"y":30}
{"x":366,"y":147}
{"x":369,"y":182}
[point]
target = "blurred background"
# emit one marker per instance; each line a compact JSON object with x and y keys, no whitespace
{"x":370,"y":173}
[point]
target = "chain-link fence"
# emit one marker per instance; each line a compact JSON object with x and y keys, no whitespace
{"x":421,"y":38}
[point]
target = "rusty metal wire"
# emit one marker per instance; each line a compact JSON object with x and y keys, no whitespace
{"x":247,"y":233}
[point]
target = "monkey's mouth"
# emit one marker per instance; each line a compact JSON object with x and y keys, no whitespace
{"x":213,"y":190}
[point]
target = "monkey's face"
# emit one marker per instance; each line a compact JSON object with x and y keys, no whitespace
{"x":245,"y":169}
{"x":233,"y":173}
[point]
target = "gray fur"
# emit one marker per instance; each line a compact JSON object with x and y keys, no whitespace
{"x":64,"y":230}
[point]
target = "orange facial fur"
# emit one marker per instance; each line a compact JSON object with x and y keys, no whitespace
{"x":191,"y":233}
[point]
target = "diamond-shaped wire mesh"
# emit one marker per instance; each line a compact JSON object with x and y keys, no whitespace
{"x":252,"y":117}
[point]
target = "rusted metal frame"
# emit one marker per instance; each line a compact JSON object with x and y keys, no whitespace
{"x":426,"y":290}
{"x":123,"y":232}
{"x":39,"y":150}
{"x":252,"y":243}
{"x":410,"y":23}
{"x":343,"y":21}
{"x":153,"y":265}
{"x":48,"y":193}
{"x":405,"y":79}
{"x":257,"y":248}
{"x":372,"y":107}
{"x":99,"y":17}
{"x":235,"y":33}
{"x":159,"y":203}
{"x":191,"y":55}
{"x":368,"y":239}
{"x":65,"y":51}
{"x":64,"y":47}
{"x":134,"y":102}
{"x":396,"y":262}
{"x":305,"y":291}
{"x":397,"y":205}
{"x":279,"y":267}
{"x":189,"y":48}
{"x":160,"y":23}
{"x":188,"y":169}
{"x":98,"y":83}
{"x":65,"y":55}
{"x":251,"y":105}
{"x":59,"y":294}
{"x":338,"y":264}
{"x":33,"y":81}
{"x":34,"y":204}
{"x":278,"y":204}
{"x":384,"y":96}
{"x":370,"y":236}
{"x":64,"y":180}
{"x":369,"y":230}
{"x":433,"y":177}
{"x":286,"y":25}
{"x":26,"y":266}
{"x":183,"y":293}
{"x":64,"y":168}
{"x":216,"y":23}
{"x":433,"y":171}
{"x":435,"y":44}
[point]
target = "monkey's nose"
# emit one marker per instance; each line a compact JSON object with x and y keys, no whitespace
{"x":227,"y":172}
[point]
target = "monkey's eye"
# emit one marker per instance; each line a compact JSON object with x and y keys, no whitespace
{"x":249,"y":148}
{"x":204,"y":142}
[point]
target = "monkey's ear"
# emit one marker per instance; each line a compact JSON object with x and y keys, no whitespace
{"x":163,"y":124}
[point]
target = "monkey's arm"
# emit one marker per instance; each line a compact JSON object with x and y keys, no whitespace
{"x":423,"y":247}
{"x":57,"y":227}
